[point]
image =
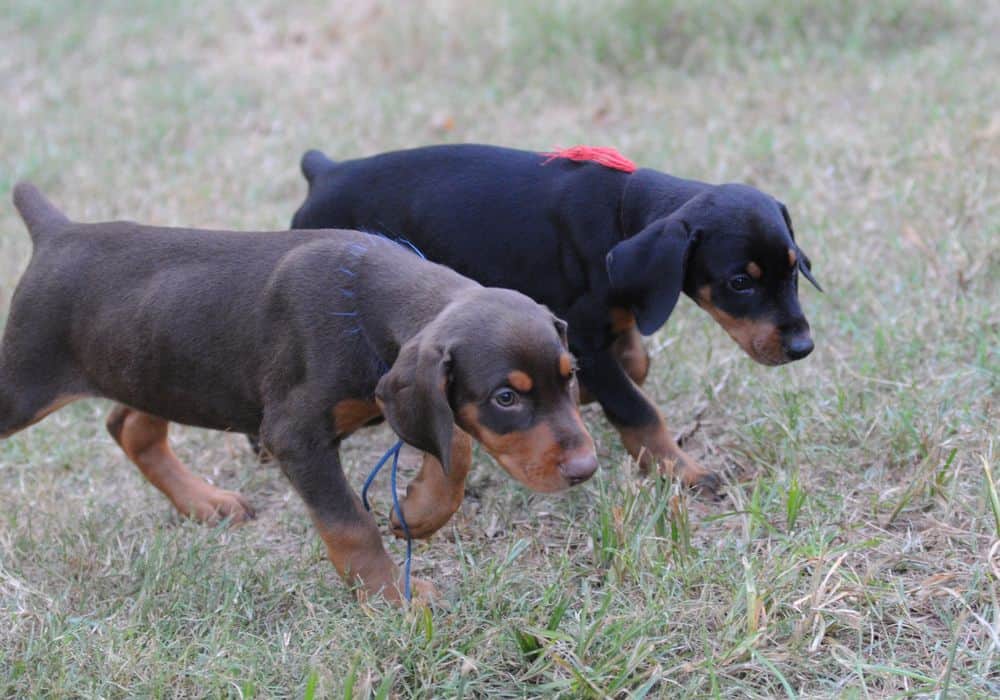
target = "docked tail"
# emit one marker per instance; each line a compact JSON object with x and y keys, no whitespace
{"x":313,"y":163}
{"x":38,"y":213}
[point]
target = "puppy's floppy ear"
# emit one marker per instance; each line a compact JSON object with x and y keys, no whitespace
{"x":805,"y":267}
{"x":804,"y":264}
{"x":413,"y":396}
{"x":647,"y":270}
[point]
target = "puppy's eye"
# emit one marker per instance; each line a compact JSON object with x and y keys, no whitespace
{"x":741,"y":283}
{"x":505,"y":398}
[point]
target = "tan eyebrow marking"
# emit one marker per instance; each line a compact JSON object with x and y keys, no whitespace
{"x":754,"y":270}
{"x":520,"y":381}
{"x":792,"y":258}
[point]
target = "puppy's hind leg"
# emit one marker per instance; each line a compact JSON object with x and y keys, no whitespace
{"x":143,"y":437}
{"x":37,"y":377}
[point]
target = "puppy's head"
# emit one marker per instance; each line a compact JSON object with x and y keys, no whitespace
{"x":496,"y":364}
{"x":732,"y":250}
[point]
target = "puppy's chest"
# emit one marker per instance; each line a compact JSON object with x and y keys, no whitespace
{"x":349,"y":415}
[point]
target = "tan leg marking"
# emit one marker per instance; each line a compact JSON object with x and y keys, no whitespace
{"x":655,"y":446}
{"x":143,"y":437}
{"x":621,"y":320}
{"x":357,"y":553}
{"x":632,"y":356}
{"x":433,"y":497}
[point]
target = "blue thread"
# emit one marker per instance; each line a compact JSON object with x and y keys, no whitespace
{"x":354,"y":247}
{"x":380,"y":366}
{"x":394,"y":453}
{"x":400,"y":240}
{"x":412,"y":247}
{"x":402,"y":521}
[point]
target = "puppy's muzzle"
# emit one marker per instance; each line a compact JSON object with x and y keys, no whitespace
{"x":798,"y":346}
{"x":579,"y":468}
{"x":796,"y":342}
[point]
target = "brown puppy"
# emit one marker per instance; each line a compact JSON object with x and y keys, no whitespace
{"x":303,"y":338}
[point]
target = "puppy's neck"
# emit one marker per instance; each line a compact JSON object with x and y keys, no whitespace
{"x":398,"y":294}
{"x":650,"y":195}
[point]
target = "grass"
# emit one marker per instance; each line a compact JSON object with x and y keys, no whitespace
{"x":859,"y":556}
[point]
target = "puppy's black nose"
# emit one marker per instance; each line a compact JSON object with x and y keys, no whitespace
{"x":798,"y":346}
{"x":578,"y":469}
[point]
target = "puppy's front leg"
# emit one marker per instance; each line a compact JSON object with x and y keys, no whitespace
{"x":433,"y":496}
{"x":631,"y":354}
{"x":644,"y":432}
{"x":353,"y":543}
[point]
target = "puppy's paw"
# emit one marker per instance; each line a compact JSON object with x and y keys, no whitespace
{"x":213,"y":505}
{"x":422,"y":522}
{"x":706,"y":484}
{"x":694,"y":476}
{"x":426,"y":507}
{"x":423,"y":592}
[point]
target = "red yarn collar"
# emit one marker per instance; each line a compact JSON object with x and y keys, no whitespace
{"x":608,"y":157}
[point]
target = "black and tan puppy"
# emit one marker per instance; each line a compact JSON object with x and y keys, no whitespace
{"x":302,"y":338}
{"x":605,"y":245}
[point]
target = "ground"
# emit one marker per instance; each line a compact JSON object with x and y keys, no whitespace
{"x":858,"y":554}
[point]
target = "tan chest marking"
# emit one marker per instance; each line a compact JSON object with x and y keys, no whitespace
{"x":351,"y":414}
{"x":621,"y":320}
